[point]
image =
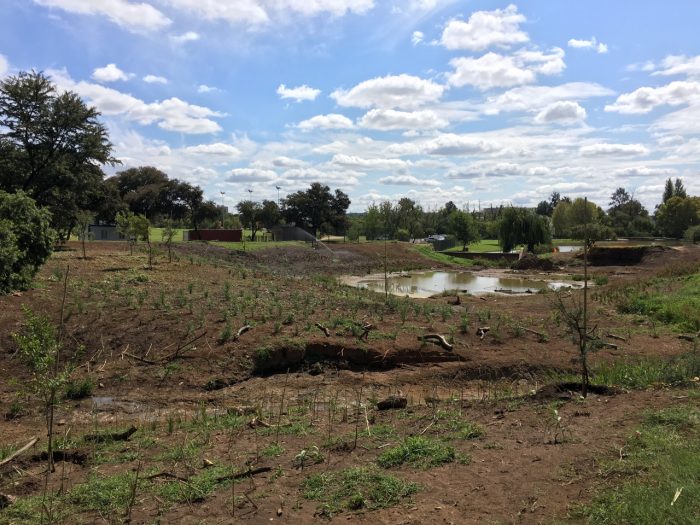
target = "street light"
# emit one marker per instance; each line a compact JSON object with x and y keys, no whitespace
{"x":223,"y":209}
{"x":278,"y":196}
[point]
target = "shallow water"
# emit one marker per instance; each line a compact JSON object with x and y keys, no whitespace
{"x":426,"y":284}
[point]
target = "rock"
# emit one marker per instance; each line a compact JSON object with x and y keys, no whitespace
{"x":392,"y":402}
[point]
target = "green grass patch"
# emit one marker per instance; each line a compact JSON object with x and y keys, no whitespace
{"x":427,"y":252}
{"x":648,"y":372}
{"x":197,"y":487}
{"x":419,"y":452}
{"x":660,"y":463}
{"x":356,"y":489}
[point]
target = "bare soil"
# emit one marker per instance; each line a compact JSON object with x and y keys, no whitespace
{"x":135,"y":325}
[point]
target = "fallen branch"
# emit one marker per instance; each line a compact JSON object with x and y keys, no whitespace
{"x":244,"y":474}
{"x":691,"y":338}
{"x":241,"y":331}
{"x":176,"y":353}
{"x":436,"y":339}
{"x":533,"y":332}
{"x":132,"y":356}
{"x":256,"y":422}
{"x":12,"y":456}
{"x":323,"y":329}
{"x":610,"y":345}
{"x":617,"y":337}
{"x":114,"y":436}
{"x":167,"y":475}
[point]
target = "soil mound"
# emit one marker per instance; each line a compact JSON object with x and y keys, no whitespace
{"x":530,"y":261}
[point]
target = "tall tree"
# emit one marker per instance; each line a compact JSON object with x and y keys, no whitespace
{"x":677,"y":214}
{"x":679,"y":189}
{"x":668,"y":190}
{"x":519,"y":226}
{"x":464,"y":228}
{"x":51,"y":145}
{"x":270,"y":214}
{"x":311,"y":208}
{"x":249,"y":212}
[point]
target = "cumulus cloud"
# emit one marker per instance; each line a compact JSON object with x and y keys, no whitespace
{"x":171,"y":114}
{"x":203,"y":88}
{"x":353,"y":161}
{"x":613,"y":150}
{"x":534,"y":98}
{"x":155,"y":79}
{"x":330,"y":121}
{"x":4,"y":66}
{"x":644,"y":171}
{"x":593,"y":43}
{"x":132,"y":16}
{"x":189,"y":36}
{"x":408,"y":180}
{"x":343,"y":178}
{"x":679,"y":65}
{"x":218,"y":149}
{"x":499,"y":169}
{"x":299,"y":93}
{"x":451,"y":144}
{"x":485,"y":29}
{"x":417,"y":37}
{"x":400,"y":91}
{"x":645,"y":99}
{"x":251,"y":175}
{"x":391,"y":119}
{"x":563,"y":112}
{"x":110,"y":73}
{"x":494,"y":70}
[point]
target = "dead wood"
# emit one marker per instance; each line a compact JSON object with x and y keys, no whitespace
{"x":617,"y":337}
{"x":241,"y":331}
{"x":6,"y":500}
{"x":691,"y":338}
{"x":482,"y":331}
{"x":244,"y":474}
{"x":533,"y":332}
{"x":256,"y":422}
{"x":167,"y":475}
{"x":610,"y":345}
{"x":455,"y":302}
{"x":143,"y":360}
{"x":22,"y":450}
{"x":76,"y":456}
{"x":323,"y":329}
{"x":365,"y":331}
{"x":436,"y":339}
{"x":113,"y":436}
{"x":181,"y":347}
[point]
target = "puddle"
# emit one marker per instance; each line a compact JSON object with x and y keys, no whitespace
{"x":109,"y":404}
{"x":427,"y":284}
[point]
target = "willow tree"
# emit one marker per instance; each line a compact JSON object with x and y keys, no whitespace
{"x":520,"y":226}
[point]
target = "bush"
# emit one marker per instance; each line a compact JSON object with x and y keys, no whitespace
{"x":403,"y":235}
{"x":692,"y":234}
{"x":26,"y":240}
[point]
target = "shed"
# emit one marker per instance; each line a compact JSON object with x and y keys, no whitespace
{"x":104,"y":232}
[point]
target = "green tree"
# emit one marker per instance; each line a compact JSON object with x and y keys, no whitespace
{"x":125,"y":226}
{"x":464,"y":228}
{"x":668,"y":190}
{"x":26,"y":240}
{"x":519,"y":226}
{"x":270,"y":214}
{"x":167,"y":236}
{"x":627,"y":216}
{"x":679,"y":189}
{"x":249,"y":212}
{"x":51,"y":146}
{"x":678,"y":214}
{"x":561,"y":219}
{"x":373,"y":222}
{"x":83,"y":220}
{"x":309,"y":209}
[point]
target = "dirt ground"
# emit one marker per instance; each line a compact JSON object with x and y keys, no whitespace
{"x":161,"y":346}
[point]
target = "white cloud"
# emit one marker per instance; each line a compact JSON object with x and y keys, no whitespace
{"x":408,"y":180}
{"x":286,"y":162}
{"x":644,"y":171}
{"x":485,"y":29}
{"x":342,"y":178}
{"x":417,"y":37}
{"x":218,"y":149}
{"x":685,"y":121}
{"x":534,"y":98}
{"x":679,"y":65}
{"x":353,"y":161}
{"x":494,"y":70}
{"x":189,"y":36}
{"x":593,"y":43}
{"x":391,"y":119}
{"x":613,"y":150}
{"x":499,"y":169}
{"x":330,"y":121}
{"x":155,"y":79}
{"x":564,"y":111}
{"x":133,"y":16}
{"x":257,"y":13}
{"x":251,"y":175}
{"x":400,"y":91}
{"x":451,"y":144}
{"x":203,"y":88}
{"x":299,"y":93}
{"x":4,"y":66}
{"x":645,"y":99}
{"x":171,"y":114}
{"x":110,"y":73}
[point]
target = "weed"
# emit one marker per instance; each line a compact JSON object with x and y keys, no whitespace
{"x":273,"y":450}
{"x":77,"y":389}
{"x":419,"y":452}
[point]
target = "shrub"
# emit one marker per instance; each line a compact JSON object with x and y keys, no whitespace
{"x":692,"y":234}
{"x":403,"y":235}
{"x":26,"y":240}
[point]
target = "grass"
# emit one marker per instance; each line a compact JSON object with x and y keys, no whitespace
{"x":419,"y":452}
{"x":355,"y":489}
{"x":648,"y":372}
{"x":659,"y":474}
{"x":427,"y":252}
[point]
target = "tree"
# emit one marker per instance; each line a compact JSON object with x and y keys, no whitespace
{"x":125,"y":226}
{"x":51,"y":146}
{"x":249,"y":212}
{"x":26,"y":240}
{"x":83,"y":220}
{"x":464,"y":228}
{"x":519,"y":226}
{"x":167,"y":236}
{"x":679,"y":189}
{"x":373,"y":222}
{"x":627,"y":216}
{"x":561,"y":219}
{"x":311,"y":208}
{"x":270,"y":214}
{"x":547,"y":207}
{"x":678,"y":214}
{"x":668,"y":190}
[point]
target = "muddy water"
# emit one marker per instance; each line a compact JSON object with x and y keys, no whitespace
{"x":426,"y":284}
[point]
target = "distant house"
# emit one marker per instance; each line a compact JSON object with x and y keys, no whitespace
{"x":105,"y":232}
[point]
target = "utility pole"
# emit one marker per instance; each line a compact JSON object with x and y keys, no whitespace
{"x":278,"y":196}
{"x":223,"y":209}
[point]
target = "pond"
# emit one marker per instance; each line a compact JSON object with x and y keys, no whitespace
{"x":426,"y":284}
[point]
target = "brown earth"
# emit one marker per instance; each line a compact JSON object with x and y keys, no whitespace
{"x":135,"y":326}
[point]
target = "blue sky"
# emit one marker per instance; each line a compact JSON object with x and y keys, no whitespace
{"x":470,"y":101}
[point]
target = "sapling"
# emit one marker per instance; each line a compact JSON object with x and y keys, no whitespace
{"x":84,"y":218}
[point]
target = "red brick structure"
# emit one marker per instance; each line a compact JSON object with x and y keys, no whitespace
{"x":214,"y":235}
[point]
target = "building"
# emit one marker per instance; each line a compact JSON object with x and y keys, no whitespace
{"x":104,"y":232}
{"x":213,"y":235}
